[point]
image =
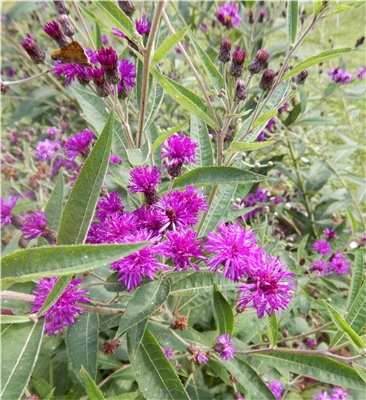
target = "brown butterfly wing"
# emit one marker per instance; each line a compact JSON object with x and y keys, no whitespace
{"x":73,"y":53}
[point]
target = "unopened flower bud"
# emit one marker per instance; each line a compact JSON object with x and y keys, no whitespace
{"x":6,"y":311}
{"x":285,"y":333}
{"x":257,"y":165}
{"x":61,"y":6}
{"x":302,"y":261}
{"x":267,"y":79}
{"x":237,"y":64}
{"x":250,"y":17}
{"x":266,"y":209}
{"x":54,"y":31}
{"x":262,"y":15}
{"x":270,"y":164}
{"x":111,"y":346}
{"x":296,"y":344}
{"x":301,"y":77}
{"x":128,"y":7}
{"x":35,"y":53}
{"x":241,"y":90}
{"x":360,"y":41}
{"x":225,"y":50}
{"x":294,"y":86}
{"x":258,"y":62}
{"x":67,"y":26}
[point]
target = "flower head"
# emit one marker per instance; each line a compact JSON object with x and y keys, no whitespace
{"x":361,"y":72}
{"x":110,"y":204}
{"x":45,"y":150}
{"x":52,"y":132}
{"x":168,"y":353}
{"x":108,"y":59}
{"x":136,"y":266}
{"x":198,"y":356}
{"x":35,"y":52}
{"x":35,"y":225}
{"x":72,"y":71}
{"x":143,"y":25}
{"x":113,"y":158}
{"x":144,"y":181}
{"x":267,"y":79}
{"x":277,"y":388}
{"x":338,"y":394}
{"x":228,"y":15}
{"x":178,"y":149}
{"x":235,"y":249}
{"x":128,"y":74}
{"x":98,"y":77}
{"x":340,"y":76}
{"x":330,"y":234}
{"x":322,"y":396}
{"x":237,"y":63}
{"x":181,"y":246}
{"x":322,"y":247}
{"x":225,"y":50}
{"x":6,"y":210}
{"x":320,"y":267}
{"x":258,"y":62}
{"x":79,"y":144}
{"x":62,"y":313}
{"x":338,"y":264}
{"x":268,"y":288}
{"x":224,"y":347}
{"x":54,"y":31}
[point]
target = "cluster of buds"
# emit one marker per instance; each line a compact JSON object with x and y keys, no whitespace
{"x":127,"y":6}
{"x":63,"y":18}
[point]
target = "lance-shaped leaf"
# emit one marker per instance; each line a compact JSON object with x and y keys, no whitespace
{"x":207,"y":176}
{"x":79,"y":209}
{"x":94,"y":393}
{"x":20,"y":344}
{"x":204,"y":152}
{"x":154,"y":374}
{"x":223,"y":312}
{"x":357,"y":275}
{"x":292,"y":18}
{"x":168,"y":45}
{"x":54,"y":205}
{"x":164,"y":136}
{"x":272,"y":327}
{"x":36,"y":263}
{"x":244,"y":146}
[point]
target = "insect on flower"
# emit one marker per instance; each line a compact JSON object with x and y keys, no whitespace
{"x":73,"y":53}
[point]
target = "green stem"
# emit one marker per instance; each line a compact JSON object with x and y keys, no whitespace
{"x":80,"y":16}
{"x":9,"y":83}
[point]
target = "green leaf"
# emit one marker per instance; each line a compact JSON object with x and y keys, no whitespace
{"x":352,"y":221}
{"x":164,"y":136}
{"x":360,"y":371}
{"x":265,"y":117}
{"x":325,"y":55}
{"x":272,"y":327}
{"x":82,"y":345}
{"x":206,"y":176}
{"x":201,"y":283}
{"x":139,"y":156}
{"x":295,"y":112}
{"x":154,"y":102}
{"x":208,"y":65}
{"x":54,"y":205}
{"x":301,"y":248}
{"x":154,"y":374}
{"x":118,"y":17}
{"x":184,"y":97}
{"x":20,"y":345}
{"x":13,"y":319}
{"x":36,"y":263}
{"x":357,"y":276}
{"x":292,"y":18}
{"x":223,"y":312}
{"x":245,"y":146}
{"x":346,"y":6}
{"x":204,"y":152}
{"x":80,"y":206}
{"x":135,"y":335}
{"x":146,"y":301}
{"x":168,"y":45}
{"x":94,"y":393}
{"x":249,"y":378}
{"x":356,"y":315}
{"x":320,"y":368}
{"x":220,"y":204}
{"x":98,"y":36}
{"x":343,"y":326}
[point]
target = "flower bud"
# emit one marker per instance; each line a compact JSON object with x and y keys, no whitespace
{"x":111,"y":346}
{"x":262,"y":15}
{"x":250,"y":17}
{"x":259,"y":61}
{"x":267,"y":79}
{"x":301,"y":77}
{"x":360,"y":41}
{"x":241,"y":90}
{"x":237,"y":64}
{"x":225,"y":50}
{"x":128,"y":7}
{"x":108,"y":59}
{"x":61,"y":6}
{"x":67,"y":26}
{"x":35,"y":53}
{"x":54,"y":31}
{"x":98,"y":77}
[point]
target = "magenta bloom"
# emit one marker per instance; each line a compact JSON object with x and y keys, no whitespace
{"x":35,"y":225}
{"x":110,"y":204}
{"x":338,"y":264}
{"x":277,"y":388}
{"x":320,"y":267}
{"x":136,"y":266}
{"x":145,"y":181}
{"x":6,"y":210}
{"x":35,"y":52}
{"x":338,"y":394}
{"x":62,"y":313}
{"x":114,"y":159}
{"x":323,"y":247}
{"x":235,"y":249}
{"x":52,"y":132}
{"x":268,"y":288}
{"x":143,"y":25}
{"x":117,"y":32}
{"x":228,"y":15}
{"x":361,"y":72}
{"x":128,"y":74}
{"x":322,"y":396}
{"x":330,"y":234}
{"x":108,"y":59}
{"x":178,"y":149}
{"x":168,"y":353}
{"x":224,"y":348}
{"x":45,"y":150}
{"x":92,"y":55}
{"x":340,"y":76}
{"x":148,"y":219}
{"x":311,"y":343}
{"x":72,"y":71}
{"x":181,"y":247}
{"x":79,"y":143}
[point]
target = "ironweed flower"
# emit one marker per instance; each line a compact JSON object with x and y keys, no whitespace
{"x":322,"y":396}
{"x":62,"y":313}
{"x":144,"y":181}
{"x":128,"y":77}
{"x":330,"y":234}
{"x":237,"y":63}
{"x":98,"y":77}
{"x":276,"y":388}
{"x":267,"y":80}
{"x":54,"y":31}
{"x":36,"y":54}
{"x":241,"y":90}
{"x":338,"y":394}
{"x":198,"y":356}
{"x":143,"y":25}
{"x":61,"y":6}
{"x":320,"y":267}
{"x":6,"y":210}
{"x":35,"y":225}
{"x":301,"y":77}
{"x":338,"y":264}
{"x":361,"y":72}
{"x":268,"y":288}
{"x":67,"y":26}
{"x":258,"y":62}
{"x":224,"y":347}
{"x":235,"y":249}
{"x":225,"y":50}
{"x":108,"y":59}
{"x":79,"y":144}
{"x":110,"y":204}
{"x":228,"y":15}
{"x":168,"y":353}
{"x":340,"y":76}
{"x":72,"y":71}
{"x":322,"y":247}
{"x":45,"y":150}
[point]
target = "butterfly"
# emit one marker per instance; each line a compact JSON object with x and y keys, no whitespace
{"x":73,"y":53}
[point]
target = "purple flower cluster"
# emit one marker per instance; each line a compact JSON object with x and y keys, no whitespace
{"x":62,"y":313}
{"x":337,"y":394}
{"x":361,"y":72}
{"x":340,"y":76}
{"x":79,"y":144}
{"x":224,"y":347}
{"x":6,"y":210}
{"x":228,"y":15}
{"x":269,"y":128}
{"x":277,"y":388}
